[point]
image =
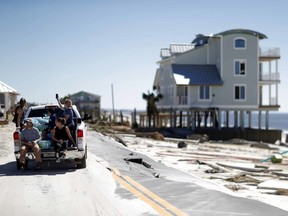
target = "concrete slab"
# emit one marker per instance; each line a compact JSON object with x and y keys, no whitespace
{"x":284,"y":174}
{"x":273,"y":184}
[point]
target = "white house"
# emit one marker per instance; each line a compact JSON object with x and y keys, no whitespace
{"x":87,"y":103}
{"x":8,"y":98}
{"x":219,"y":74}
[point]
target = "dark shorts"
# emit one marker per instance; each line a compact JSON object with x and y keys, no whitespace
{"x":60,"y":147}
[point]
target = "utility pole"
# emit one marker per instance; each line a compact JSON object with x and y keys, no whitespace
{"x":113,"y":102}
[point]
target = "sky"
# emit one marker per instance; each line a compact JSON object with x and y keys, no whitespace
{"x":67,"y":46}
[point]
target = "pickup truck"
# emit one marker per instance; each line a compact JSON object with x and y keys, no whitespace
{"x":40,"y":118}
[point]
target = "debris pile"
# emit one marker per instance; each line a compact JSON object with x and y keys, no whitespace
{"x":242,"y":166}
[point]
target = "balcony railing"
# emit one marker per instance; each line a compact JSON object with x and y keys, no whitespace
{"x":270,"y":77}
{"x":269,"y":52}
{"x":272,"y":102}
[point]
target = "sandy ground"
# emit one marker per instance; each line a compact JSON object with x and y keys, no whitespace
{"x":245,"y":182}
{"x":6,"y":139}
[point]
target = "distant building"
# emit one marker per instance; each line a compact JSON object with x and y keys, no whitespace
{"x":8,"y":98}
{"x":219,"y":74}
{"x":87,"y":103}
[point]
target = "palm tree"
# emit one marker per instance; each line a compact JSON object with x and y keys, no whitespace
{"x":151,"y":99}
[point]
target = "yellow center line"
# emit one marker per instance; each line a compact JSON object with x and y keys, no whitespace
{"x":150,"y":198}
{"x":155,"y":197}
{"x":141,"y":196}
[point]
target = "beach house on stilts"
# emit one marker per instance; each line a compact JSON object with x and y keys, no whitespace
{"x":215,"y":83}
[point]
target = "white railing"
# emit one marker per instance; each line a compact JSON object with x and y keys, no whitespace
{"x":273,"y":101}
{"x":269,"y":52}
{"x":270,"y":77}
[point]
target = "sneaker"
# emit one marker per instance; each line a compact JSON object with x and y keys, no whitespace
{"x":63,"y":156}
{"x":57,"y":160}
{"x":38,"y":166}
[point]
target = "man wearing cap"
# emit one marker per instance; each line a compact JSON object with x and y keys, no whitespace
{"x":29,"y":138}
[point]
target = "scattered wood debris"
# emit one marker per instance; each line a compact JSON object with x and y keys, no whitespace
{"x":236,"y":164}
{"x":263,"y":145}
{"x":282,"y":192}
{"x":242,"y":167}
{"x":154,"y":135}
{"x":243,"y":178}
{"x":235,"y":187}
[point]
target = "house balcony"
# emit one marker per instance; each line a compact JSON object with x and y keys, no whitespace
{"x":269,"y":54}
{"x":272,"y":103}
{"x":269,"y":78}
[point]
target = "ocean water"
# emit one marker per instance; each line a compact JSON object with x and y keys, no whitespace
{"x":277,"y":120}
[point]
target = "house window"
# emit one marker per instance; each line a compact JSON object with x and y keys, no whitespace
{"x":182,"y":94}
{"x":239,"y":43}
{"x":240,"y":67}
{"x":240,"y":92}
{"x":204,"y":92}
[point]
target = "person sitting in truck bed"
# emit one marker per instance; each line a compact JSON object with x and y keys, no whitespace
{"x":51,"y":124}
{"x":29,"y":138}
{"x":61,"y":135}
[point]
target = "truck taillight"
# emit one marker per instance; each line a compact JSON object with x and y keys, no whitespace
{"x":16,"y":136}
{"x":80,"y":133}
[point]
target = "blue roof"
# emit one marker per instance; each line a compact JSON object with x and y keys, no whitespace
{"x":243,"y":31}
{"x":198,"y":74}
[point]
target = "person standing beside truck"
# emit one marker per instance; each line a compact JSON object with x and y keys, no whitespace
{"x":19,"y":113}
{"x":29,"y":138}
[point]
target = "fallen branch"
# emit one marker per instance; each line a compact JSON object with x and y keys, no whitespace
{"x":243,"y":168}
{"x":214,"y":166}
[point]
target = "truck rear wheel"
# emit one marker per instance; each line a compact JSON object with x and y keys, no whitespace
{"x":82,"y":163}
